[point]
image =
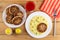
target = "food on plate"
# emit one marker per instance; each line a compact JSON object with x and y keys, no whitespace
{"x":38,"y":25}
{"x":14,"y":15}
{"x":8,"y":11}
{"x":42,"y":27}
{"x":14,"y":9}
{"x":9,"y":19}
{"x":20,"y":14}
{"x":17,"y":20}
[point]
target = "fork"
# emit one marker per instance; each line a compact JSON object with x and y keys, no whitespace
{"x":54,"y":23}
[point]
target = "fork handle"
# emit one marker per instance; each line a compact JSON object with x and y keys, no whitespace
{"x":54,"y":26}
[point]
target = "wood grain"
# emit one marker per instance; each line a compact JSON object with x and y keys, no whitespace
{"x":24,"y":35}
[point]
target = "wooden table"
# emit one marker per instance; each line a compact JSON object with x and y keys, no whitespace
{"x":24,"y":35}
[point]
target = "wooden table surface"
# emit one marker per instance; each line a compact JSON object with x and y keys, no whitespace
{"x":24,"y":35}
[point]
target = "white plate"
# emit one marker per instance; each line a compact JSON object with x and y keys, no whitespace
{"x":12,"y":25}
{"x":39,"y":13}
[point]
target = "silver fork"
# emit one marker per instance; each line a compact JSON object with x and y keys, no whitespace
{"x":54,"y":23}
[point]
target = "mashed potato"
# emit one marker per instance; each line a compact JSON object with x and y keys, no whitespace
{"x":34,"y":23}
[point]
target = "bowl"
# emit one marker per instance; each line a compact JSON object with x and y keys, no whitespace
{"x":12,"y":25}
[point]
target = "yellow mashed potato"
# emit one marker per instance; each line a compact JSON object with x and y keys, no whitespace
{"x":34,"y":22}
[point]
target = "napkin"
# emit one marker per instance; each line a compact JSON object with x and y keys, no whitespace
{"x":49,"y":6}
